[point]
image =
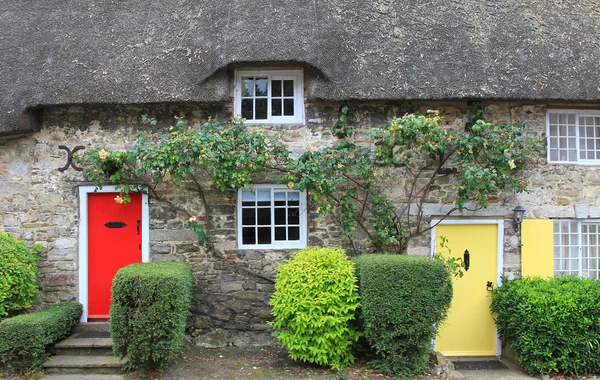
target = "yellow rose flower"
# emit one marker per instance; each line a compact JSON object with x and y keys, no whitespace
{"x":192,"y":219}
{"x":102,"y":154}
{"x":119,"y":200}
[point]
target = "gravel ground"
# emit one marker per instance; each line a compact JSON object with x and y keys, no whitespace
{"x":253,"y":363}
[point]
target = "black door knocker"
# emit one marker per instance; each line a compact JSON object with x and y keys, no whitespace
{"x":467,"y":259}
{"x":489,"y":286}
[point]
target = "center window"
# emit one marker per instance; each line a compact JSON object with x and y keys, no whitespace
{"x":271,"y":216}
{"x":270,"y":96}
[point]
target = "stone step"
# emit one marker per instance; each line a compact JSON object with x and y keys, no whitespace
{"x":95,"y":343}
{"x":90,"y":326}
{"x":96,"y":365}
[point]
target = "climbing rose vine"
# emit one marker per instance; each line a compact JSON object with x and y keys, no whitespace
{"x":347,"y":179}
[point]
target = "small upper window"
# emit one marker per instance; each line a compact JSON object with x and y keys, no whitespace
{"x":272,"y":216}
{"x":573,"y":136}
{"x":577,"y":248}
{"x":270,"y":96}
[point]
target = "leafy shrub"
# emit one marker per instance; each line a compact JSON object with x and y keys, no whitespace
{"x":24,"y":339}
{"x":553,"y":325}
{"x":150,"y":302}
{"x":18,"y":274}
{"x":403,"y":299}
{"x":314,"y":300}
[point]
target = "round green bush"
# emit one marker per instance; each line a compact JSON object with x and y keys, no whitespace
{"x":315,"y":298}
{"x":553,"y":325}
{"x":18,"y":274}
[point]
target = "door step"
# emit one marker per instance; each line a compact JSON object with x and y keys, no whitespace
{"x":87,"y":343}
{"x":91,"y":326}
{"x":86,"y":354}
{"x":84,"y":364}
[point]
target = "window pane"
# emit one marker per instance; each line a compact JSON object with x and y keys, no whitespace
{"x":263,"y":195}
{"x":248,"y":235}
{"x":562,"y":118}
{"x":288,"y":88}
{"x":247,"y":196}
{"x":571,"y":118}
{"x":279,"y":216}
{"x":288,"y":107}
{"x":247,"y":87}
{"x":261,"y":86}
{"x":264,"y":216}
{"x":264,"y":235}
{"x":553,"y":118}
{"x":247,"y":109}
{"x":294,"y":216}
{"x":261,"y":109}
{"x":276,"y":106}
{"x":276,"y":88}
{"x":294,"y":233}
{"x":572,"y":155}
{"x":248,"y":216}
{"x":280,"y":233}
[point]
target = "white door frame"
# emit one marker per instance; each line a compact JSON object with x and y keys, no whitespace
{"x":84,"y":192}
{"x":500,"y":249}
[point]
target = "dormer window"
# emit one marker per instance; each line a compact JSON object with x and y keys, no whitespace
{"x":270,"y":97}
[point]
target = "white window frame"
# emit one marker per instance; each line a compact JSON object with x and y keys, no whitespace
{"x":296,"y":75}
{"x":577,"y":137}
{"x":576,"y":249}
{"x":282,"y":244}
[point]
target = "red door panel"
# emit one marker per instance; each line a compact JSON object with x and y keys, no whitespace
{"x":114,"y":241}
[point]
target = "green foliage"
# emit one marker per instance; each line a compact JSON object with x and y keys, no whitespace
{"x":344,"y":179}
{"x":18,"y":274}
{"x":454,"y":265}
{"x":314,"y":300}
{"x":553,"y":325}
{"x":229,"y":155}
{"x":340,"y":127}
{"x":403,"y":299}
{"x":24,"y":339}
{"x":150,"y":302}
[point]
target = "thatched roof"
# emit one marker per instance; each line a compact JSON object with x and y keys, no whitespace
{"x":142,"y":51}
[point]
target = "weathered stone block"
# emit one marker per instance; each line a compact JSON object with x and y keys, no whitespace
{"x":250,"y":296}
{"x":160,"y":248}
{"x":230,"y":287}
{"x":264,"y":313}
{"x":202,"y":322}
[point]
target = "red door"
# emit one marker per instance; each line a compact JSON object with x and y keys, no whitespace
{"x":114,"y":241}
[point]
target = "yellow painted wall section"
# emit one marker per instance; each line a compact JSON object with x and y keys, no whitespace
{"x":537,"y":250}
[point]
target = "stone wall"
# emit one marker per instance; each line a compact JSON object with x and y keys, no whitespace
{"x":39,"y":204}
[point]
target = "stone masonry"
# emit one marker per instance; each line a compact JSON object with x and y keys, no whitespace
{"x":39,"y":204}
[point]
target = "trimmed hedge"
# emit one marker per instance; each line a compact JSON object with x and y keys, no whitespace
{"x":553,"y":325}
{"x":18,"y":274}
{"x":150,"y":303}
{"x":314,"y":301}
{"x":403,"y":299}
{"x":24,"y":339}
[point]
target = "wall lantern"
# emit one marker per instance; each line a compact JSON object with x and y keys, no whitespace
{"x":518,"y":213}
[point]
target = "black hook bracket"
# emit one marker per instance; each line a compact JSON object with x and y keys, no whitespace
{"x":70,"y":154}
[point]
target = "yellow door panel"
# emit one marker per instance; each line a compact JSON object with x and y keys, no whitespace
{"x":470,"y":329}
{"x":537,"y":251}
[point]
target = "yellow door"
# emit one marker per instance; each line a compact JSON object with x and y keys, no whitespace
{"x":470,"y":329}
